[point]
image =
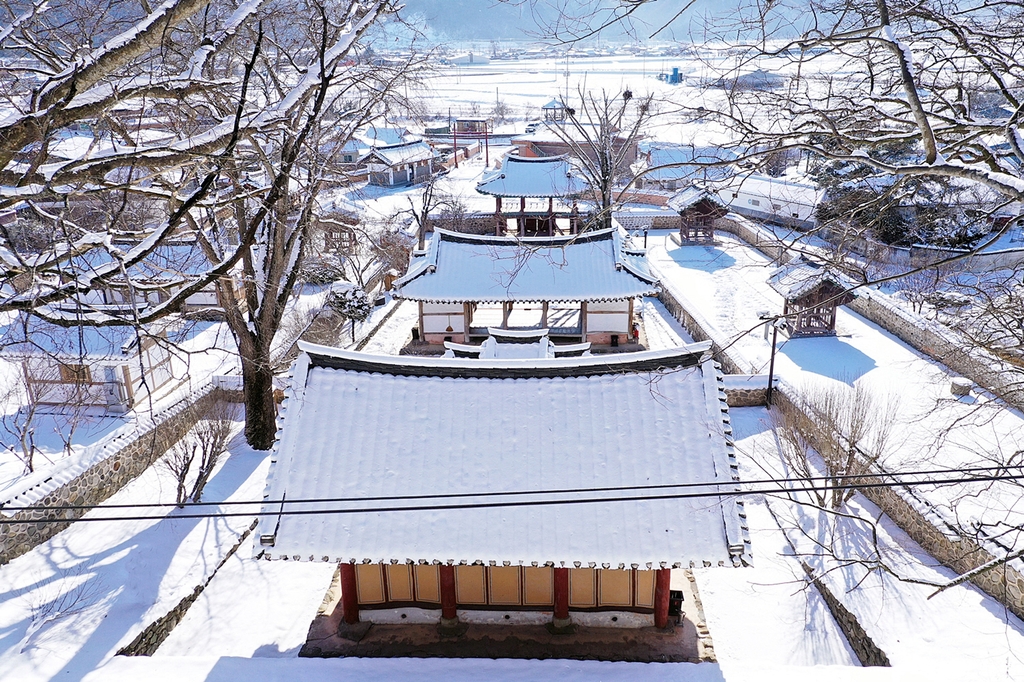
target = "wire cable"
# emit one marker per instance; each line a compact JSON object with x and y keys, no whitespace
{"x":528,"y":503}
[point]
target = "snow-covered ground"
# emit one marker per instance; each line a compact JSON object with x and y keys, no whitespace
{"x":727,"y":284}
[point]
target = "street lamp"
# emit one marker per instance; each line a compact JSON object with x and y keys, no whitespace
{"x":777,"y":323}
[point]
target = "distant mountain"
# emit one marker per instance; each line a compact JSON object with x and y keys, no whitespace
{"x":525,"y":19}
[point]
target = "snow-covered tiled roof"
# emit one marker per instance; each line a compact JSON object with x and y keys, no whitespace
{"x":472,"y":460}
{"x":684,"y":199}
{"x":684,"y":161}
{"x":458,"y":267}
{"x":554,"y":104}
{"x":520,"y":176}
{"x":797,"y":279}
{"x":397,"y":154}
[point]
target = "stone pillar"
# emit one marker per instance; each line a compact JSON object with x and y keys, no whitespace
{"x":662,"y":581}
{"x":349,"y":597}
{"x":448,"y":613}
{"x":561,"y":615}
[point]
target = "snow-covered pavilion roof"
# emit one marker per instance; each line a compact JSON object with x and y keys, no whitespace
{"x":555,"y":103}
{"x":684,"y":199}
{"x":797,"y":279}
{"x":458,"y":267}
{"x":398,"y":154}
{"x":519,"y":461}
{"x":520,"y":176}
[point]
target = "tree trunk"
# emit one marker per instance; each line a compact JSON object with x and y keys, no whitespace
{"x":258,"y":395}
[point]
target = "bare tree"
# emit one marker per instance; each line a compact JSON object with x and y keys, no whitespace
{"x":837,"y":431}
{"x":196,"y":455}
{"x":242,"y":100}
{"x":602,"y":137}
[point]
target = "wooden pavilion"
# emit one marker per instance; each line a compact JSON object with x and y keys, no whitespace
{"x":698,"y":210}
{"x":580,"y":288}
{"x":478,"y":511}
{"x":524,"y":178}
{"x":811,"y":292}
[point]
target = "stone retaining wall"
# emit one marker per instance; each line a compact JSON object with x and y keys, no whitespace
{"x":699,"y":329}
{"x":153,"y":635}
{"x":863,"y":646}
{"x":763,"y":241}
{"x":1003,"y":583}
{"x":961,"y":554}
{"x":100,"y":481}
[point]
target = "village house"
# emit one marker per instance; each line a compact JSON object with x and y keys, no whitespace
{"x":405,"y":163}
{"x":555,"y":138}
{"x":513,"y":487}
{"x":812,"y":292}
{"x":160,"y":275}
{"x":775,"y":200}
{"x":103,"y":367}
{"x":580,"y":288}
{"x":525,"y":179}
{"x":671,"y":167}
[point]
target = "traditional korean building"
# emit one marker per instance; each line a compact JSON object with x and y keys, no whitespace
{"x":516,"y":486}
{"x":812,"y":292}
{"x":531,"y":179}
{"x":698,"y":210}
{"x":102,"y":367}
{"x":581,"y":288}
{"x":399,"y":164}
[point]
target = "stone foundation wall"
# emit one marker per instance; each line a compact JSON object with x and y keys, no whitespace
{"x":470,"y":223}
{"x":102,"y":480}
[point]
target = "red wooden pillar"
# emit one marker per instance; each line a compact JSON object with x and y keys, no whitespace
{"x":662,"y":582}
{"x":561,"y":594}
{"x":448,"y":592}
{"x":349,"y":597}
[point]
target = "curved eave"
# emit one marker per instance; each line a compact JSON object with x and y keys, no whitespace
{"x":530,"y":299}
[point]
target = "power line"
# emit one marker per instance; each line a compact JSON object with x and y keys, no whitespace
{"x":508,"y":493}
{"x":536,"y":503}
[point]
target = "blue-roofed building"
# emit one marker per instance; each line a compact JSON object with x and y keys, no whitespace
{"x":672,"y":167}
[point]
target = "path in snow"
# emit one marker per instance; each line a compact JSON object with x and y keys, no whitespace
{"x":728,"y":284}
